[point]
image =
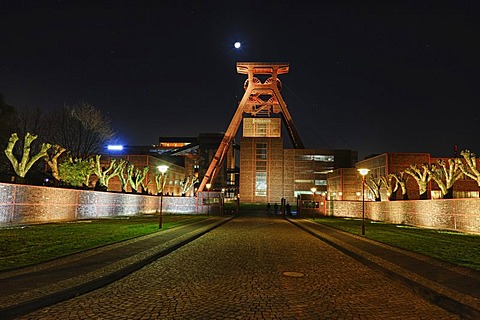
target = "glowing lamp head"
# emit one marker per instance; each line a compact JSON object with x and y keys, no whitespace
{"x":363,"y":171}
{"x":237,"y":45}
{"x":112,"y":147}
{"x":208,"y":185}
{"x":162,"y":169}
{"x":313,"y":189}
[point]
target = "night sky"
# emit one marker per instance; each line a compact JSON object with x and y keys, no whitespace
{"x":385,"y":76}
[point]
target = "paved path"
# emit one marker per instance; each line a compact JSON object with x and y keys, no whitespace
{"x":30,"y":288}
{"x":251,"y":268}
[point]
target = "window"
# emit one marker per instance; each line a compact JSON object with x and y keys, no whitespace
{"x":261,"y":166}
{"x":261,"y":184}
{"x":315,"y":157}
{"x":261,"y":130}
{"x":304,"y":181}
{"x":261,"y":170}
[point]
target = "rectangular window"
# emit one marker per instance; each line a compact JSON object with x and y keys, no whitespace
{"x":315,"y":157}
{"x":304,"y":181}
{"x":261,"y":166}
{"x":261,"y":170}
{"x":261,"y":184}
{"x":261,"y":130}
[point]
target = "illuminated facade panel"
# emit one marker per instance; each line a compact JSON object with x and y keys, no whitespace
{"x":262,"y":127}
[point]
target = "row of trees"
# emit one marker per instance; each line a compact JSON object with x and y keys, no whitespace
{"x":81,"y":129}
{"x":444,"y":173}
{"x":68,"y":141}
{"x":77,"y":172}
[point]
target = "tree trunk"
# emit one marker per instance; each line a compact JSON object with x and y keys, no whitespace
{"x":100,"y":187}
{"x":449,"y":194}
{"x":393,"y":196}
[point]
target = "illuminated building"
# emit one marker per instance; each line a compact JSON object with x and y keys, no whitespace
{"x":269,"y":172}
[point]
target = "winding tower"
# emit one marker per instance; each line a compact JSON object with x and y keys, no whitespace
{"x":261,"y":99}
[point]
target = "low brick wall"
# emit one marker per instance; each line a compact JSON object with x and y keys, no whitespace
{"x":24,"y":204}
{"x":454,"y":214}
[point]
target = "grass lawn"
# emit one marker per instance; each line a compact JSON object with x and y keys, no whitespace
{"x":456,"y":247}
{"x":21,"y":246}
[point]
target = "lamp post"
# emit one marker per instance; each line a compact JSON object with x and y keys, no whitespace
{"x":208,"y":185}
{"x":163,"y":170}
{"x":313,"y":189}
{"x":363,"y":172}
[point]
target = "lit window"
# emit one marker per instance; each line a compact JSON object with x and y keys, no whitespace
{"x":315,"y":157}
{"x":304,"y":181}
{"x":261,"y":184}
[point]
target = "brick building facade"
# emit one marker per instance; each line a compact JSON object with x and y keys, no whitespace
{"x":346,"y":184}
{"x":269,"y":172}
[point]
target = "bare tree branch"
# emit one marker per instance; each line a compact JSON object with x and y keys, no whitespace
{"x":421,"y":176}
{"x":21,"y":168}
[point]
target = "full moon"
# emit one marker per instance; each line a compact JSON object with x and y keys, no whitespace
{"x":237,"y":45}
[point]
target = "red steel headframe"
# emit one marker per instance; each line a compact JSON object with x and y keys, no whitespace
{"x":253,"y":103}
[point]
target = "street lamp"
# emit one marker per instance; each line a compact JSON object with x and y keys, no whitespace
{"x":163,"y":170}
{"x":313,"y":189}
{"x":208,"y":185}
{"x":363,"y":172}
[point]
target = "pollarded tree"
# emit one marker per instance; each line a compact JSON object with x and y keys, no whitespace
{"x":422,"y":177}
{"x":470,"y":170}
{"x":123,"y":176}
{"x":144,"y":183}
{"x":374,"y":184}
{"x":451,"y":172}
{"x":401,"y":180}
{"x":105,"y":174}
{"x":160,"y":181}
{"x":21,"y":168}
{"x":391,"y":190}
{"x":187,"y":183}
{"x":135,"y":177}
{"x":52,"y":160}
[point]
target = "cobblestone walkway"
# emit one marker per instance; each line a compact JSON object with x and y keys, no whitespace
{"x":250,"y":268}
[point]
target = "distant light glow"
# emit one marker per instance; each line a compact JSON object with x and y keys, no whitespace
{"x":237,"y":45}
{"x":115,"y":147}
{"x":162,"y":169}
{"x":363,"y":171}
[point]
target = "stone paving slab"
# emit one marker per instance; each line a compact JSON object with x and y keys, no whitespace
{"x":452,"y":287}
{"x":29,"y":288}
{"x":250,"y":268}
